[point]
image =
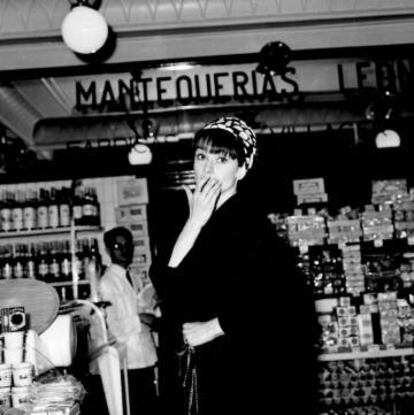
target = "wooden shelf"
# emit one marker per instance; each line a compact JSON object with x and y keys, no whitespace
{"x":372,"y":354}
{"x":47,"y":232}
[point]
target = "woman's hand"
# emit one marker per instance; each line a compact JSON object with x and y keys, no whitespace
{"x":198,"y":333}
{"x":203,"y":201}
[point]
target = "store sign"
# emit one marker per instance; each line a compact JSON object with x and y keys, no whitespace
{"x":241,"y":83}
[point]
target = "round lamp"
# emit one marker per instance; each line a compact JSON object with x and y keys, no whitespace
{"x":84,"y":30}
{"x":140,"y":154}
{"x":387,"y":139}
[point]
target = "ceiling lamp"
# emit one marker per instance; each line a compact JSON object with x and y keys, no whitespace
{"x":387,"y":139}
{"x":84,"y":30}
{"x":274,"y":58}
{"x":140,"y":154}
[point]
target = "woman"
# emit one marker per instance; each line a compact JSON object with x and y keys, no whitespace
{"x":230,"y":289}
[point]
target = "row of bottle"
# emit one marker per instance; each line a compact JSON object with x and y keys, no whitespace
{"x":48,"y":261}
{"x":46,"y":209}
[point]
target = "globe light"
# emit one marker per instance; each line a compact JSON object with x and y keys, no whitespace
{"x":140,"y":154}
{"x":84,"y":30}
{"x":387,"y":139}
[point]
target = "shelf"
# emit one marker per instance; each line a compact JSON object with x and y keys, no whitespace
{"x":47,"y":232}
{"x":67,"y":283}
{"x":372,"y":354}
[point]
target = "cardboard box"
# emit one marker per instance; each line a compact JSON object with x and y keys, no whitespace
{"x":132,"y":191}
{"x":130,"y":214}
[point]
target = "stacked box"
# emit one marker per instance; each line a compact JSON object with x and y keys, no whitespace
{"x":404,"y":218}
{"x":387,"y":191}
{"x":354,"y":276}
{"x":343,"y":231}
{"x":406,"y":322}
{"x":131,"y":213}
{"x":388,"y":311}
{"x":306,"y":230}
{"x":310,"y":191}
{"x":329,"y":333}
{"x":377,"y":224}
{"x":348,"y":329}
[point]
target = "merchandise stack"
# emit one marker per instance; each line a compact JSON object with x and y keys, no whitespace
{"x":131,"y":213}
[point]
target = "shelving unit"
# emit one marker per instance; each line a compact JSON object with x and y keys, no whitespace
{"x":372,"y":354}
{"x":35,"y":233}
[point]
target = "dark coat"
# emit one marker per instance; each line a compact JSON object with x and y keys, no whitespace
{"x":239,"y":271}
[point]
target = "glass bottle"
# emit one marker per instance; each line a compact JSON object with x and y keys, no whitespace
{"x":53,"y":210}
{"x":18,"y":264}
{"x":31,"y":262}
{"x":66,"y":264}
{"x":64,"y":207}
{"x":6,"y":213}
{"x":29,"y":211}
{"x":42,"y":209}
{"x":54,"y":266}
{"x":17,"y":212}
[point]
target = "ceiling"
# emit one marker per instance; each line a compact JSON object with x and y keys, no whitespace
{"x":38,"y":72}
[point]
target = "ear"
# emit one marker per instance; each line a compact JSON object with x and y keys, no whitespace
{"x":241,"y":172}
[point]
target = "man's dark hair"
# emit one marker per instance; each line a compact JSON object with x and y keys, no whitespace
{"x":110,"y":236}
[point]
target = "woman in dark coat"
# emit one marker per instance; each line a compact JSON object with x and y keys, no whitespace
{"x":230,"y":292}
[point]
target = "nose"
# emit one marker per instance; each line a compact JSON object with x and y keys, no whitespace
{"x":208,"y":167}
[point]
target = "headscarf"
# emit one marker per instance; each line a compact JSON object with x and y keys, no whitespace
{"x":241,"y":131}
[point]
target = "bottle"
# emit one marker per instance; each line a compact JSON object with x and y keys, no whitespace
{"x":6,"y":213}
{"x":54,"y":266}
{"x":79,"y":265}
{"x":18,"y":264}
{"x":29,"y":211}
{"x":53,"y":210}
{"x":42,"y":210}
{"x":17,"y":212}
{"x":96,"y":208}
{"x":31,"y":262}
{"x":77,"y":207}
{"x":7,"y":267}
{"x":42,"y":265}
{"x":64,"y":207}
{"x":65,"y":262}
{"x":88,"y":208}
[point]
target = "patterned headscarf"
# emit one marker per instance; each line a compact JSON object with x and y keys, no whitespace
{"x":241,"y":131}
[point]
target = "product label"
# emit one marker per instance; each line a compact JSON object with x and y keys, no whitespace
{"x":17,"y":219}
{"x":42,"y":217}
{"x":77,"y":212}
{"x":5,"y":219}
{"x":54,"y":269}
{"x":53,"y":212}
{"x":43,"y":269}
{"x":18,"y":270}
{"x":88,"y":210}
{"x":29,"y":217}
{"x":7,"y":271}
{"x":31,"y":269}
{"x":64,"y":213}
{"x":66,"y":267}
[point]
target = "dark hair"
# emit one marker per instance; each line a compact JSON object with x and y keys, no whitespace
{"x":110,"y":236}
{"x":216,"y":140}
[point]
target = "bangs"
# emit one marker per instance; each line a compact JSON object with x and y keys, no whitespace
{"x":217,"y":141}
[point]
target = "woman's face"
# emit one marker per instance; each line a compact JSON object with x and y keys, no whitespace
{"x":219,"y":166}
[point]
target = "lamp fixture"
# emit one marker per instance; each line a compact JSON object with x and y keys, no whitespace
{"x":84,"y":29}
{"x":139,"y":154}
{"x":387,"y":139}
{"x":274,"y":58}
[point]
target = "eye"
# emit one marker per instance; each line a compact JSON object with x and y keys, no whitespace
{"x":200,"y":156}
{"x":222,"y":159}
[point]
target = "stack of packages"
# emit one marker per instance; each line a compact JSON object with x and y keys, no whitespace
{"x":132,"y":214}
